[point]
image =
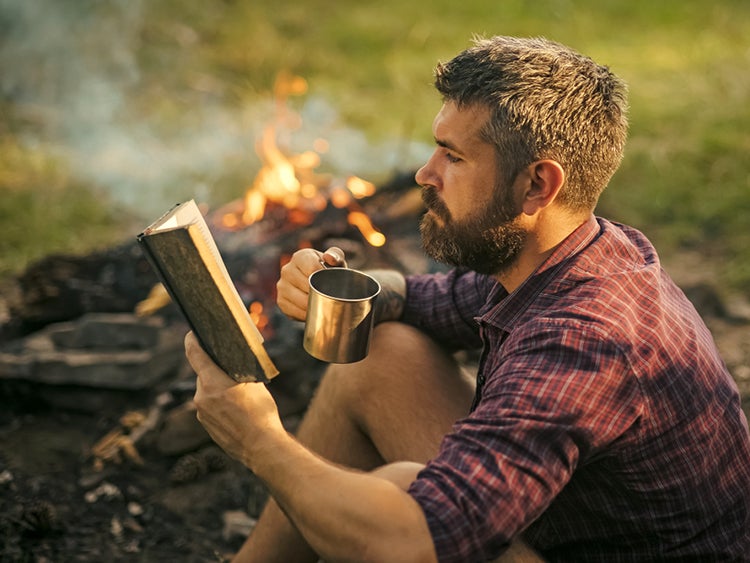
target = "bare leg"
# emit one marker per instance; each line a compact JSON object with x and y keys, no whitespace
{"x":519,"y":552}
{"x":394,"y":406}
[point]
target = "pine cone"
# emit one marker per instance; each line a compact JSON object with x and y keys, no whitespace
{"x":39,"y":517}
{"x":216,"y":459}
{"x":188,"y":468}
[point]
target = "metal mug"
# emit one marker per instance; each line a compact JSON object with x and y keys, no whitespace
{"x":339,"y":320}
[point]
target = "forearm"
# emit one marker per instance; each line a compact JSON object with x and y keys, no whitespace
{"x":389,"y":305}
{"x":344,"y":514}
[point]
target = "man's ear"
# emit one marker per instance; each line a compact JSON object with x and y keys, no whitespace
{"x":546,"y":178}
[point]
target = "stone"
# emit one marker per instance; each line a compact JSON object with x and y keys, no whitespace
{"x":181,"y":432}
{"x":77,"y":353}
{"x":108,"y":331}
{"x":237,"y":523}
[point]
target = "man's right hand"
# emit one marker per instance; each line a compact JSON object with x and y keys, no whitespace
{"x":293,"y":287}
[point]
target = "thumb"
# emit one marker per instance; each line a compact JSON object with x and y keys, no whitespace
{"x":204,"y":367}
{"x":334,"y":256}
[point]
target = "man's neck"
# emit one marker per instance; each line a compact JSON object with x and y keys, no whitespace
{"x":540,"y":244}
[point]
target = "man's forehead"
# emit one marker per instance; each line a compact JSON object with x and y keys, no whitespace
{"x":456,"y":125}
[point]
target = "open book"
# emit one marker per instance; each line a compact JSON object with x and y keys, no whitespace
{"x":183,"y":253}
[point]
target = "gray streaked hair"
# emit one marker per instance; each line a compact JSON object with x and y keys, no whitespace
{"x":546,"y":102}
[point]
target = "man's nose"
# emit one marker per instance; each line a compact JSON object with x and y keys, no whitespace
{"x":425,"y":175}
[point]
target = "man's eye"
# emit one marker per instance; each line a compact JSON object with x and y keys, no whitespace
{"x":451,"y":157}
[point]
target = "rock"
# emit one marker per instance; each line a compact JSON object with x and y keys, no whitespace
{"x":237,"y":523}
{"x":181,"y":432}
{"x":106,"y":491}
{"x":108,"y":331}
{"x":85,"y":353}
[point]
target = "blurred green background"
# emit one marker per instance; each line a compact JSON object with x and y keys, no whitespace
{"x":112,"y":108}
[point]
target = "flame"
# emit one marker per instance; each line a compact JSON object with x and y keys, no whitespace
{"x":291,"y":181}
{"x":360,"y":188}
{"x":256,"y":314}
{"x":360,"y":220}
{"x":282,"y":180}
{"x":255,"y":206}
{"x":340,"y":198}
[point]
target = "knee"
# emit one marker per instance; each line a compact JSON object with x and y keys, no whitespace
{"x":400,"y":356}
{"x":393,"y":340}
{"x":395,"y":348}
{"x":390,"y":343}
{"x":399,"y":349}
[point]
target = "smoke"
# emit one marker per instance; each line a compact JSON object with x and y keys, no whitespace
{"x":74,"y":62}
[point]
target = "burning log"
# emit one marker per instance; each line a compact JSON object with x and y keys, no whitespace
{"x":64,"y":287}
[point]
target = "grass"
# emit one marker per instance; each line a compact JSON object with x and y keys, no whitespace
{"x":43,"y":210}
{"x":195,"y":76}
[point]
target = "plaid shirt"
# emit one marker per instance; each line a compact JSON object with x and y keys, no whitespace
{"x":606,"y":427}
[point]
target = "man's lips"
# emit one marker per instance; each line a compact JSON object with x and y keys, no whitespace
{"x":434,"y":205}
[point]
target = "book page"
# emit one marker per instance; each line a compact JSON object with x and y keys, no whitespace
{"x":179,"y":216}
{"x":208,"y":238}
{"x":184,"y":215}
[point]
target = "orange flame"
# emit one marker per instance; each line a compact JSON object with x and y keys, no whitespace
{"x":360,"y":220}
{"x":256,"y":314}
{"x":291,"y":181}
{"x":360,"y":188}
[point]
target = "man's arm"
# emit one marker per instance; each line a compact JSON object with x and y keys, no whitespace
{"x":343,"y":514}
{"x":389,"y":305}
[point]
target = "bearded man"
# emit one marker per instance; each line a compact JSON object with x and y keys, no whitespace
{"x":602,"y":424}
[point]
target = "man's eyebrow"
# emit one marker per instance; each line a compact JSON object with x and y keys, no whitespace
{"x":448,"y":145}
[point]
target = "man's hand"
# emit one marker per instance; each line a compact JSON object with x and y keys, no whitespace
{"x":293,"y":288}
{"x":238,"y":416}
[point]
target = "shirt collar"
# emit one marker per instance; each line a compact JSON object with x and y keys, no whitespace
{"x":503,"y":309}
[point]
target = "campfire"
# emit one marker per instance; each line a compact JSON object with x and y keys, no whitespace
{"x":288,"y":205}
{"x":290,"y":183}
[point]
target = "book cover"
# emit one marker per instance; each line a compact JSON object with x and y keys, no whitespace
{"x":182,"y":251}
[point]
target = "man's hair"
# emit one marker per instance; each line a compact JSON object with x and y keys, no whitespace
{"x":546,"y":102}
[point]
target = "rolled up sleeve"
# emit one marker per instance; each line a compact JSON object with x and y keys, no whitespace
{"x":443,"y":305}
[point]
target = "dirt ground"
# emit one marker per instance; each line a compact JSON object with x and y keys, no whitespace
{"x":56,"y":504}
{"x":59,"y":502}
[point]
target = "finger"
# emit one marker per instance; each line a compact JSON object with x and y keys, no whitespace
{"x":194,"y":351}
{"x":292,"y":299}
{"x":293,"y":288}
{"x":291,"y":309}
{"x":296,"y":276}
{"x":307,"y":260}
{"x":334,"y":256}
{"x":303,"y":263}
{"x":209,"y":374}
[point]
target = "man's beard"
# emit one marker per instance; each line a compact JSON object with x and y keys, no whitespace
{"x":488,"y":243}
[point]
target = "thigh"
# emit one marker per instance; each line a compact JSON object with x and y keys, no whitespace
{"x":406,"y":394}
